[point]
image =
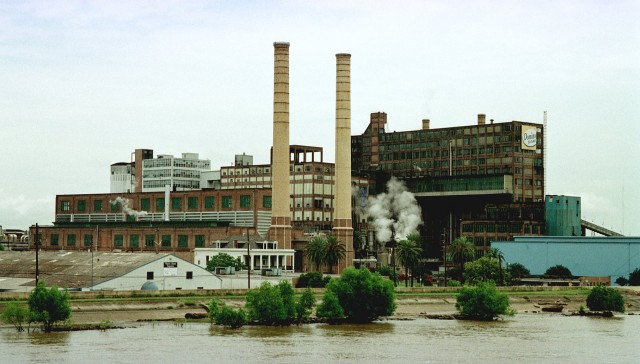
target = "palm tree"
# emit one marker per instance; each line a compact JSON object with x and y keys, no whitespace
{"x":316,"y":251}
{"x":359,"y":245}
{"x":462,"y":251}
{"x":495,"y":253}
{"x":409,"y":254}
{"x":334,"y":251}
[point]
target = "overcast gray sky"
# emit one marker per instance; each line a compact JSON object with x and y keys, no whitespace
{"x":82,"y":84}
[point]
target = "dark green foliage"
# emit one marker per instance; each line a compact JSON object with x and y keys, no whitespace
{"x":305,"y":305}
{"x":409,"y":254}
{"x":228,"y":317}
{"x":558,"y":271}
{"x":214,"y":308}
{"x":313,"y":280}
{"x":49,"y":306}
{"x":518,"y":271}
{"x":362,"y":295}
{"x":224,"y":260}
{"x":316,"y":250}
{"x":485,"y":270}
{"x":461,"y":251}
{"x":634,"y":277}
{"x":16,"y":315}
{"x":605,"y":299}
{"x":622,"y":281}
{"x":330,"y":307}
{"x":483,"y":302}
{"x":335,"y":252}
{"x":386,"y":270}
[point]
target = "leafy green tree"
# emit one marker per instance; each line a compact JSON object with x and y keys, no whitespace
{"x":316,"y":251}
{"x":409,"y":254}
{"x":605,"y":299}
{"x":558,"y":271}
{"x":330,"y":307}
{"x":49,"y":306}
{"x":334,"y":253}
{"x":362,"y":295}
{"x":16,"y":315}
{"x":305,"y":305}
{"x":518,"y":271}
{"x":634,"y":277}
{"x":266,"y":306}
{"x":485,"y":270}
{"x":224,"y":260}
{"x":462,"y":251}
{"x":483,"y":302}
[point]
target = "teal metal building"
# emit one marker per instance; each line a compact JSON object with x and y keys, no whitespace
{"x":562,"y":216}
{"x":594,"y":256}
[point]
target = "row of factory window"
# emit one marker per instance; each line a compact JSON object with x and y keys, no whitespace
{"x":447,"y":133}
{"x":176,"y":162}
{"x":177,"y":183}
{"x":132,"y":241}
{"x":159,"y":173}
{"x":500,"y":228}
{"x":298,"y":168}
{"x":176,"y":204}
{"x":415,"y":154}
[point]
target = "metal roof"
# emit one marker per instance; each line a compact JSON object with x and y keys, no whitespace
{"x":71,"y":269}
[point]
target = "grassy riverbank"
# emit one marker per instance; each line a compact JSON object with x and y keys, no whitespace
{"x":120,"y":308}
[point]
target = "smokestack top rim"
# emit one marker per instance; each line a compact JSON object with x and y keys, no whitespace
{"x":340,"y":55}
{"x":281,"y":44}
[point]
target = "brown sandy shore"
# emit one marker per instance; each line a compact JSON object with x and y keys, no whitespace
{"x":409,"y":306}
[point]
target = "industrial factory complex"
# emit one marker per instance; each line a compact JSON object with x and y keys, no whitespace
{"x":484,"y":180}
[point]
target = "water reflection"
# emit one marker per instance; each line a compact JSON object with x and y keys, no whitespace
{"x":53,"y":338}
{"x":525,"y":338}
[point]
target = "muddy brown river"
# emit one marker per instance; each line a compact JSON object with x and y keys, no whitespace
{"x":525,"y":338}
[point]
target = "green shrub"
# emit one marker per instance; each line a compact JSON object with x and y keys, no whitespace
{"x":330,"y":307}
{"x":49,"y":306}
{"x":386,"y":270}
{"x":453,"y":283}
{"x":214,"y":306}
{"x":271,"y":305}
{"x":231,"y":318}
{"x":15,"y":314}
{"x":305,"y":305}
{"x":483,"y":302}
{"x":363,"y":296}
{"x":605,"y":299}
{"x":313,"y":280}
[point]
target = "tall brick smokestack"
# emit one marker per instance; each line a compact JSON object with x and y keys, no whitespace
{"x":280,"y":229}
{"x":342,"y":227}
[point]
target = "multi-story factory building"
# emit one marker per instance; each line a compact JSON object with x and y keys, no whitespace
{"x":147,"y":174}
{"x":311,"y":186}
{"x":483,"y":181}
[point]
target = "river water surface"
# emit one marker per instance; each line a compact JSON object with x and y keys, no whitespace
{"x":527,"y":338}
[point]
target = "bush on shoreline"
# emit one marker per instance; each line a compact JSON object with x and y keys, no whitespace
{"x":483,"y":302}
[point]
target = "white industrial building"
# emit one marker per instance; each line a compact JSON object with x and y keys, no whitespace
{"x":265,"y":255}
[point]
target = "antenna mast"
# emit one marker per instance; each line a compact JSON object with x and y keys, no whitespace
{"x":544,"y":154}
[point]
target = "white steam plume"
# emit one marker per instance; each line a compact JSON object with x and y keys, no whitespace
{"x":124,"y":202}
{"x":395,"y":211}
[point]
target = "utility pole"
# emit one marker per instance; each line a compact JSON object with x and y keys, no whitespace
{"x":37,"y":248}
